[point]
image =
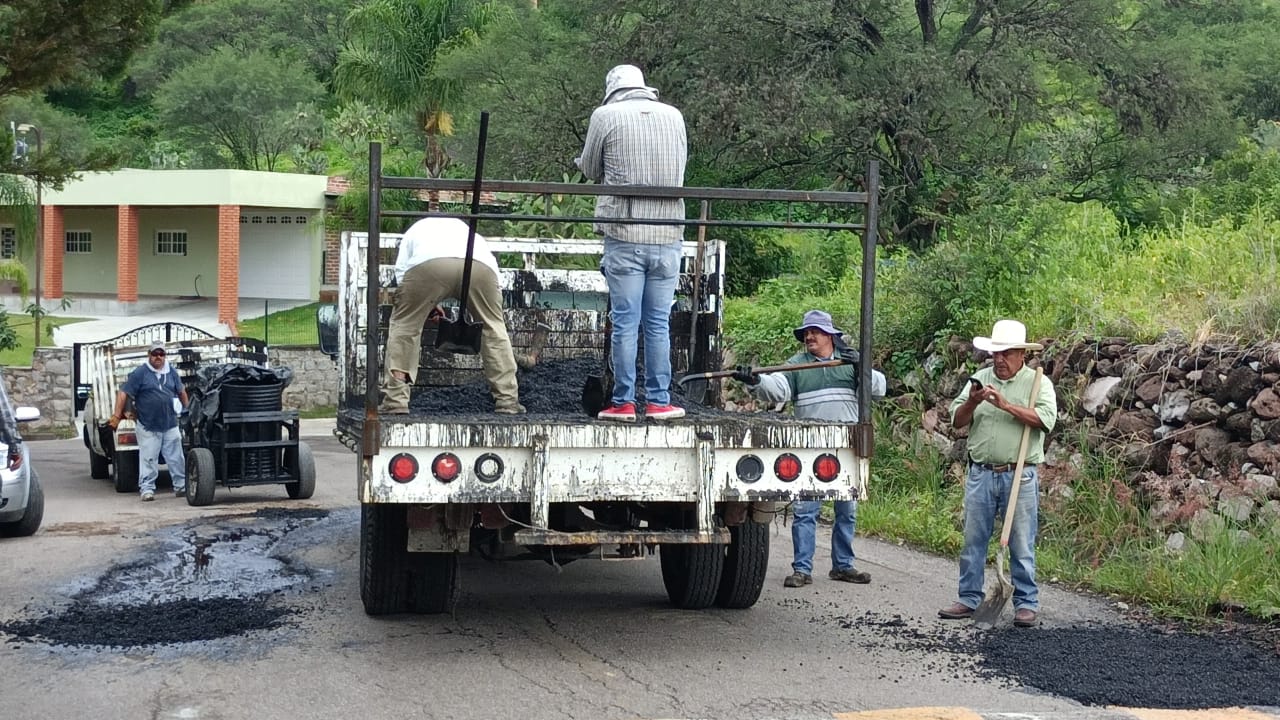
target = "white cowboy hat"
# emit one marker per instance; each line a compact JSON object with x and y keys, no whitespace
{"x":1006,"y":335}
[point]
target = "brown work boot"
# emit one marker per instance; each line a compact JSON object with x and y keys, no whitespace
{"x":797,"y":579}
{"x":958,"y":611}
{"x":1025,"y":617}
{"x":850,"y":575}
{"x":510,"y":409}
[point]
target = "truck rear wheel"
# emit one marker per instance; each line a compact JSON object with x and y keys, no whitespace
{"x":124,"y":471}
{"x":746,"y":561}
{"x":99,"y":467}
{"x":383,"y":558}
{"x":394,"y":580}
{"x":691,"y":574}
{"x":301,"y":458}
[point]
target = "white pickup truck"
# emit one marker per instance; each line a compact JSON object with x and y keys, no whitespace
{"x":563,"y":485}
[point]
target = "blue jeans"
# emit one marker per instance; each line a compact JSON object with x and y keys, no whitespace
{"x":986,"y":495}
{"x":804,"y":529}
{"x":642,"y":285}
{"x":150,"y":446}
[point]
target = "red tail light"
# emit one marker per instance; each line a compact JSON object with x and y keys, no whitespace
{"x":787,"y":467}
{"x":403,"y":467}
{"x":127,"y":438}
{"x":826,"y":467}
{"x":446,"y":467}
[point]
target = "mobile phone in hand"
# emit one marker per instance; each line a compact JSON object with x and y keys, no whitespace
{"x":974,"y":384}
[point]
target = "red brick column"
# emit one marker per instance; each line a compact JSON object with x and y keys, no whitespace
{"x":228,"y":264}
{"x":127,"y":253}
{"x":54,"y":245}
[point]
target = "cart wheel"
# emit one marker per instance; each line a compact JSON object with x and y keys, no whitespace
{"x":201,"y":476}
{"x":301,"y":458}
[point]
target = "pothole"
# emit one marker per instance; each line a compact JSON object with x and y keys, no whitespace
{"x":207,"y":580}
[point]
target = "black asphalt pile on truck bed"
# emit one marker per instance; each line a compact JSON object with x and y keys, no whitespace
{"x":550,"y":388}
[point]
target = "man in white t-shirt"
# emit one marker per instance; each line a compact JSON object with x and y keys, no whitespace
{"x":429,"y":269}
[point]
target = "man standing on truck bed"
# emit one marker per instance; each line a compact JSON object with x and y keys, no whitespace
{"x":825,"y":393}
{"x":154,"y":387}
{"x":429,"y":269}
{"x":635,"y":140}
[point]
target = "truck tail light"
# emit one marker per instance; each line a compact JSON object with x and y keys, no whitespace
{"x":826,"y":467}
{"x":489,"y":467}
{"x":749,"y":468}
{"x":787,"y":467}
{"x":446,"y":467}
{"x":126,"y":438}
{"x":403,"y":467}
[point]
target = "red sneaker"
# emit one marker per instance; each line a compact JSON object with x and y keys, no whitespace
{"x":663,"y":412}
{"x":626,"y":412}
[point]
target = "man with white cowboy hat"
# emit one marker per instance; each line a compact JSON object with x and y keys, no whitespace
{"x":635,"y":140}
{"x":826,"y":393}
{"x":996,"y":403}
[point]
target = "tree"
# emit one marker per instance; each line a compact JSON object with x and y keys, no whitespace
{"x":306,"y":32}
{"x":251,"y":109}
{"x":46,"y":42}
{"x":390,"y":58}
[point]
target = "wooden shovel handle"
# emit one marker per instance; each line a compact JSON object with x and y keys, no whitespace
{"x":1022,"y":457}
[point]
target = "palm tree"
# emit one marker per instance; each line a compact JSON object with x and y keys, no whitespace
{"x":17,"y":206}
{"x":390,"y":57}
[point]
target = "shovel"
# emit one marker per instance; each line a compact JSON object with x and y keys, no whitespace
{"x":760,"y":370}
{"x":529,"y":359}
{"x":597,"y":391}
{"x":458,"y":334}
{"x":986,"y":614}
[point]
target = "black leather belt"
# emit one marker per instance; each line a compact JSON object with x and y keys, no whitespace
{"x":1000,"y":468}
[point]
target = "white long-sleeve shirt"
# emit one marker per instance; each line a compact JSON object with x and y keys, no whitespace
{"x":438,"y":237}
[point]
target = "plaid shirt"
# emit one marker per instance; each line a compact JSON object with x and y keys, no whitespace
{"x":635,"y":140}
{"x":8,"y":424}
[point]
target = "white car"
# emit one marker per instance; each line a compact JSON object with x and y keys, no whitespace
{"x":21,"y":497}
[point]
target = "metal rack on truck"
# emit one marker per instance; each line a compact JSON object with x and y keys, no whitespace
{"x":561,"y":484}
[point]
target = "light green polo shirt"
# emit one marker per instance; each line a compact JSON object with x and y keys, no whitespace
{"x":995,"y":435}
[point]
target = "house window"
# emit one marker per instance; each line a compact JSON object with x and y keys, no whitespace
{"x":171,"y":242}
{"x":78,"y":242}
{"x":8,"y":243}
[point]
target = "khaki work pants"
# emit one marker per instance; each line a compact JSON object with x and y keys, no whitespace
{"x":425,"y":286}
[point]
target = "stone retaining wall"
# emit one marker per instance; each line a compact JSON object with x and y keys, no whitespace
{"x":1195,"y":429}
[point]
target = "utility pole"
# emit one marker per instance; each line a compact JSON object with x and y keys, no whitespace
{"x":26,"y":128}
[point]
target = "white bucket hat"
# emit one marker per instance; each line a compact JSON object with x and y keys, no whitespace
{"x":1006,"y":335}
{"x":624,"y":77}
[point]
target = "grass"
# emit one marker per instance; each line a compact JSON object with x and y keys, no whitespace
{"x":24,"y":328}
{"x":295,"y":326}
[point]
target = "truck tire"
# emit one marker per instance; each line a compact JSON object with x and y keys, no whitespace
{"x":30,"y":520}
{"x":746,"y":561}
{"x":124,"y":471}
{"x":202,"y":477}
{"x":433,"y":579}
{"x":384,"y":534}
{"x":99,"y":466}
{"x":300,"y":457}
{"x":691,"y":574}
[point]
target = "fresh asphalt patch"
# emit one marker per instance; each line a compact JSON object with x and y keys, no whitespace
{"x":205,"y":580}
{"x":1093,"y":664}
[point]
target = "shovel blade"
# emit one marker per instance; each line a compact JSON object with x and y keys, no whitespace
{"x":986,"y":615}
{"x":459,"y":336}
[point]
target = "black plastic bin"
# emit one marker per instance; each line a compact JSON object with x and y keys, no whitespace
{"x":247,"y":398}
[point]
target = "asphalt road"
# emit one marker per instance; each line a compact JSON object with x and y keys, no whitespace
{"x":593,"y":639}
